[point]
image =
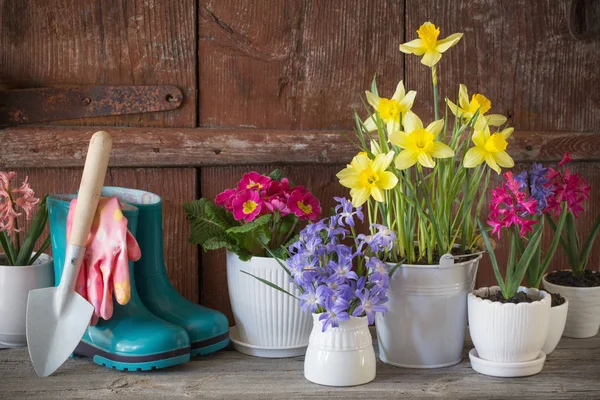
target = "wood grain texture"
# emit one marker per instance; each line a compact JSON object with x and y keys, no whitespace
{"x":175,"y":186}
{"x":519,"y":54}
{"x":319,"y":179}
{"x":345,"y":44}
{"x":570,"y":372}
{"x":43,"y":146}
{"x":248,"y":66}
{"x":299,"y":65}
{"x":591,"y":173}
{"x":111,"y":42}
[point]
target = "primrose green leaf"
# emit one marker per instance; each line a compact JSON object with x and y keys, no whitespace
{"x":277,"y":175}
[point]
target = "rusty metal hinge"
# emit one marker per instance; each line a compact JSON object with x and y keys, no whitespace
{"x":25,"y":106}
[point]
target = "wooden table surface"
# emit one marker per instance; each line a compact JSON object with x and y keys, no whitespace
{"x":571,"y":371}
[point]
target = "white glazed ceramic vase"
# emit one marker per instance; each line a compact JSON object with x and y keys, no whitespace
{"x":507,"y":332}
{"x":15,"y":284}
{"x":263,"y":315}
{"x":583,"y":318}
{"x":427,"y":315}
{"x":558,"y":320}
{"x":342,"y":356}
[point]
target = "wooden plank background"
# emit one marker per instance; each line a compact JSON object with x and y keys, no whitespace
{"x":273,"y":83}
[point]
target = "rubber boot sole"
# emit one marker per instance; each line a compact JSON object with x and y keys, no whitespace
{"x":133,"y":363}
{"x":208,"y":346}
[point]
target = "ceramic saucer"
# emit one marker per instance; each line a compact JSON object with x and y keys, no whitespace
{"x":264,"y":352}
{"x":507,"y":370}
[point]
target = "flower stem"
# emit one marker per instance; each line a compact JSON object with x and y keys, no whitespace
{"x":16,"y":223}
{"x":434,"y":81}
{"x":289,"y":234}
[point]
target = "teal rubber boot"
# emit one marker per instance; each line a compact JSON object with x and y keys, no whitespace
{"x":133,"y":339}
{"x":208,"y":329}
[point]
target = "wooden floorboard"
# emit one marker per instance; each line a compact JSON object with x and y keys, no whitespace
{"x":571,"y":371}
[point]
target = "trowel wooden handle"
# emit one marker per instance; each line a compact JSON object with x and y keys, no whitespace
{"x":92,"y":180}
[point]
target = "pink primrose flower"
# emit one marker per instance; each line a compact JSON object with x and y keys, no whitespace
{"x":254,"y":180}
{"x":246,"y":205}
{"x":304,"y":205}
{"x":225,"y":198}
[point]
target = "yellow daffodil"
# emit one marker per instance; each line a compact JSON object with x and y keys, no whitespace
{"x":427,"y":44}
{"x":390,"y":110}
{"x":467,"y":109}
{"x":375,"y":148}
{"x":418,"y":143}
{"x":491,"y":149}
{"x":365,"y":177}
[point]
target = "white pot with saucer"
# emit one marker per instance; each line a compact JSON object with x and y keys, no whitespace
{"x":508,"y":337}
{"x":268,"y":323}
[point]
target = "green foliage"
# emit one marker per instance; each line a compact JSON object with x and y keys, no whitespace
{"x":515,"y":270}
{"x":21,"y":254}
{"x":569,"y":240}
{"x":430,"y":210}
{"x":277,"y":175}
{"x":213,"y":228}
{"x":537,"y":267}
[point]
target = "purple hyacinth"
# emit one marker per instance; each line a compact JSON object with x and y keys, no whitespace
{"x":536,"y":181}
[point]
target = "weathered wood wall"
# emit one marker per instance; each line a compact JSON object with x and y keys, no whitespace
{"x":272,"y":83}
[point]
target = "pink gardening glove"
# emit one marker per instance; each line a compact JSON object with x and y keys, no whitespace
{"x":109,"y":248}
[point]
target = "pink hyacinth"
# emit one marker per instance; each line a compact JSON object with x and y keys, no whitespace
{"x":304,"y":205}
{"x":247,"y":205}
{"x":511,"y":206}
{"x":22,"y":198}
{"x":25,"y":199}
{"x":569,"y":187}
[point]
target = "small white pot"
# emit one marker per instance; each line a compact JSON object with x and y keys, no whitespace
{"x":583,"y":318}
{"x":427,"y":315}
{"x":342,"y":356}
{"x":558,"y":319}
{"x":265,"y":316}
{"x":507,"y":332}
{"x":15,"y":284}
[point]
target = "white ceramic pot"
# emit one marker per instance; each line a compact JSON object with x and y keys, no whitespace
{"x":427,"y":315}
{"x":15,"y":284}
{"x":583,"y":318}
{"x":558,"y":320}
{"x":342,"y":356}
{"x":265,"y":316}
{"x":507,"y":332}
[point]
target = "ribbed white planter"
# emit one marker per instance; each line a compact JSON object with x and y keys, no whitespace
{"x":264,"y":316}
{"x":15,"y":284}
{"x":507,"y":332}
{"x":583,"y":318}
{"x":558,"y":320}
{"x":342,"y":356}
{"x":427,"y":315}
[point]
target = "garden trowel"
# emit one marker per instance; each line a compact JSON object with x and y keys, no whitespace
{"x":57,"y":317}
